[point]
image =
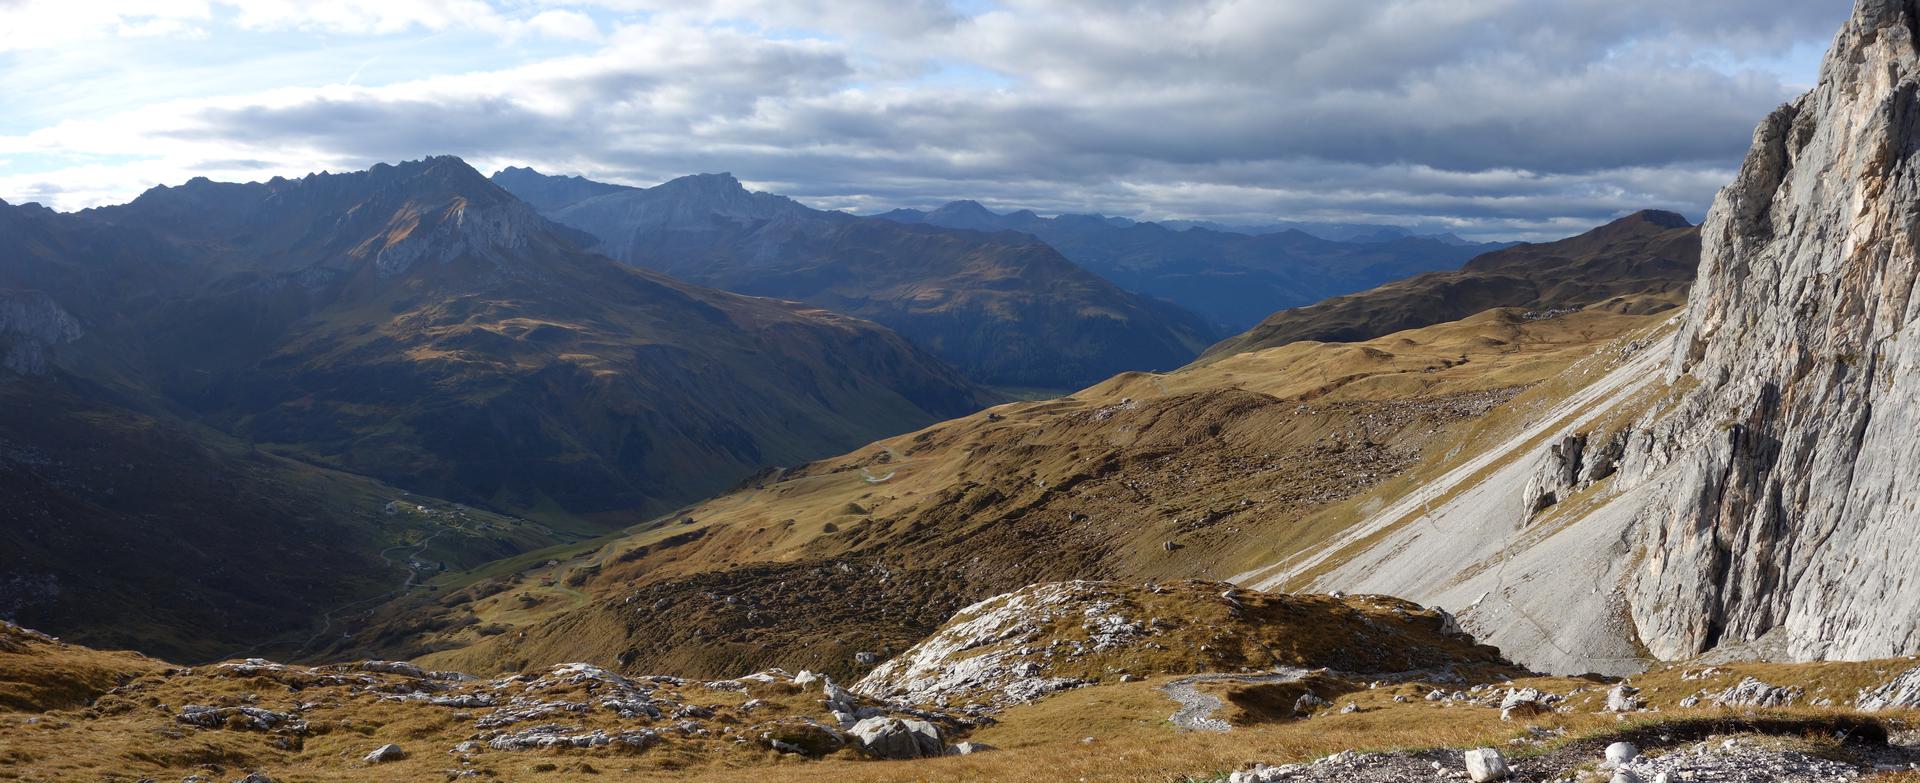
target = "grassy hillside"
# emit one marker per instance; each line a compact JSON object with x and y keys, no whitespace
{"x":1200,"y":473}
{"x":1642,"y":263}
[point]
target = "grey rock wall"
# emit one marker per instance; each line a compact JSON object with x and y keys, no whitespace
{"x":1789,"y":475}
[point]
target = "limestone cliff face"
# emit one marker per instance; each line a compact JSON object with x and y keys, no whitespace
{"x":1791,"y":471}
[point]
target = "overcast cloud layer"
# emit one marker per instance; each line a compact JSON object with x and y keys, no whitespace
{"x":1493,"y":118}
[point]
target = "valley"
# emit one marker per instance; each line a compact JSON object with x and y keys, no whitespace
{"x":1007,"y":310}
{"x":286,"y":356}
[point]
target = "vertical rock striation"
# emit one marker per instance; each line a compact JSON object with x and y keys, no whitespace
{"x":31,"y":324}
{"x":1789,"y":475}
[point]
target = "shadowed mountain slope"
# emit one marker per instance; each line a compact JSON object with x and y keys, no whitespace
{"x":186,"y":375}
{"x":1005,"y":308}
{"x":1640,"y":263}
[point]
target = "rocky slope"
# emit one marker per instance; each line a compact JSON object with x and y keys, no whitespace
{"x":1007,"y":309}
{"x":1749,"y":487}
{"x":1232,"y":278}
{"x":1641,"y":263}
{"x":113,"y":714}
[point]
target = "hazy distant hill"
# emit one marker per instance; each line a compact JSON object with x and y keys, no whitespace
{"x":1006,"y":308}
{"x":1230,"y":278}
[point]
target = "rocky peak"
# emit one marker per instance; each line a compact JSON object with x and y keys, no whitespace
{"x":971,"y":215}
{"x":441,"y":209}
{"x":1657,"y":218}
{"x":393,"y":215}
{"x":967,"y":207}
{"x":547,"y":192}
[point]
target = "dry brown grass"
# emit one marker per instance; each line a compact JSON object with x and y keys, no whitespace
{"x":1240,"y":462}
{"x":39,"y":674}
{"x":131,"y":734}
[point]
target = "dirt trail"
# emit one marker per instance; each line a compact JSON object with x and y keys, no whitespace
{"x":1197,"y":708}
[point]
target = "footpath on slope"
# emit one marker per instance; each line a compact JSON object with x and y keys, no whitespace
{"x":1197,"y":708}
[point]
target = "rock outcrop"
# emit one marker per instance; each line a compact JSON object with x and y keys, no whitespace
{"x":1790,"y":474}
{"x":1902,"y":692}
{"x":31,"y":325}
{"x":1046,"y":638}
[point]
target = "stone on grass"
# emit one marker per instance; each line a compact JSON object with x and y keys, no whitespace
{"x":893,"y":738}
{"x":1486,"y":764}
{"x":1621,"y":699}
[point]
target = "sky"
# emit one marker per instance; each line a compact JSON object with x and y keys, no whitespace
{"x":1520,"y":119}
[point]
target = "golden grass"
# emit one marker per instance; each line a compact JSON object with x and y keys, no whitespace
{"x":1022,"y":448}
{"x":1108,"y":733}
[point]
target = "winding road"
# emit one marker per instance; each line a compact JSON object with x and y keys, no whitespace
{"x":1197,"y":708}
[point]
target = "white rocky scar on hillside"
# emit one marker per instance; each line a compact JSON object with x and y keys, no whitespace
{"x":991,"y":655}
{"x":1749,"y":485}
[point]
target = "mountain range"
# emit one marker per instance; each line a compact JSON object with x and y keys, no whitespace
{"x":1007,"y":309}
{"x":1232,"y":279}
{"x":413,"y":324}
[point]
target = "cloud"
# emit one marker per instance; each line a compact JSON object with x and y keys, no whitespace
{"x":1520,"y":117}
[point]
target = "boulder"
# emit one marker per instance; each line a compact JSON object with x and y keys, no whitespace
{"x":1622,"y":752}
{"x":1751,"y":692}
{"x":968,"y":748}
{"x":1523,"y":703}
{"x":801,"y":736}
{"x":385,"y":753}
{"x":1622,"y":699}
{"x":1486,"y":764}
{"x":839,"y":699}
{"x":893,"y":738}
